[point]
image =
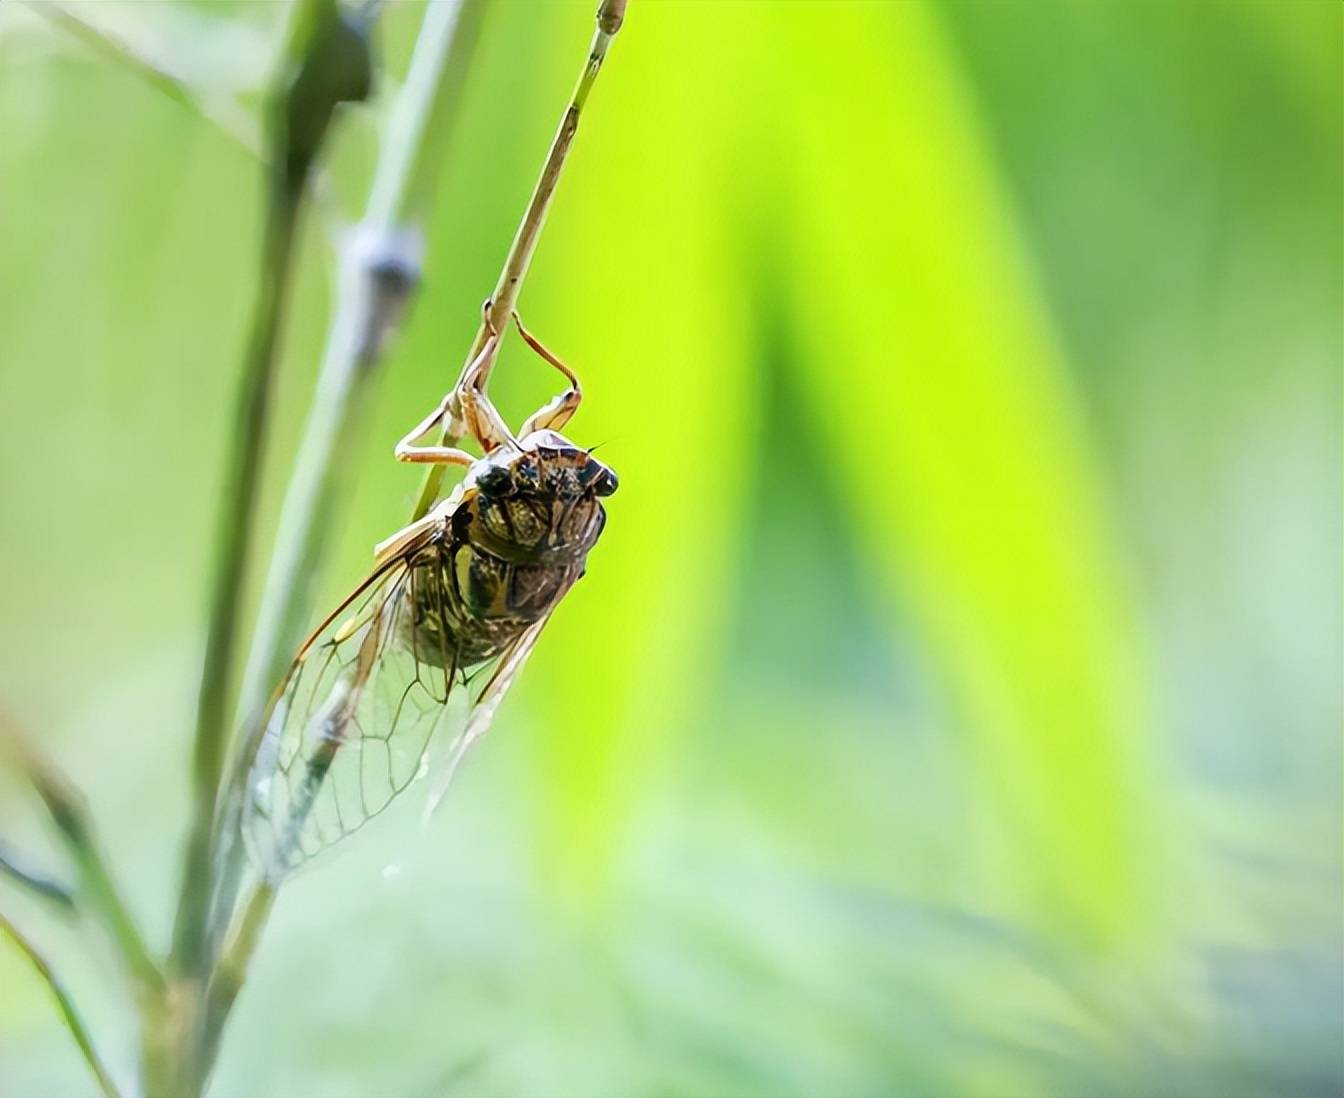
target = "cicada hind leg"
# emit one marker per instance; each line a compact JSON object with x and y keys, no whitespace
{"x":479,"y":416}
{"x":557,"y":411}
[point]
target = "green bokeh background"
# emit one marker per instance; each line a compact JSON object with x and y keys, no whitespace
{"x":953,"y":705}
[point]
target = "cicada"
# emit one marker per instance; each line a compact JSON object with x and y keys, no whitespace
{"x":438,"y":631}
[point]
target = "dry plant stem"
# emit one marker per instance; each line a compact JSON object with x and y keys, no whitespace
{"x":505,"y":297}
{"x":73,"y":1022}
{"x":224,"y":113}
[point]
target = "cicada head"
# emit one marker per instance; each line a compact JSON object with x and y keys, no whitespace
{"x":546,"y":465}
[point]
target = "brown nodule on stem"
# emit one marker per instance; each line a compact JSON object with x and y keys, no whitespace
{"x":611,"y":15}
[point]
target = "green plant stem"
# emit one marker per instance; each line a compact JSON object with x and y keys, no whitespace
{"x":97,"y":892}
{"x":237,"y":513}
{"x":610,"y":16}
{"x":73,"y":1022}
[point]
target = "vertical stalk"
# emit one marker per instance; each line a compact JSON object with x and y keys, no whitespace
{"x":172,"y":1023}
{"x":380,"y":275}
{"x":237,"y":517}
{"x":231,"y":971}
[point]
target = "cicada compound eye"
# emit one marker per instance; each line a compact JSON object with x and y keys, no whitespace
{"x":494,"y":481}
{"x":605,"y":483}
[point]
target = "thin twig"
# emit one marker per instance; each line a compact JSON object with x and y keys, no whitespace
{"x":381,"y":274}
{"x":610,"y":16}
{"x":97,"y":892}
{"x":73,"y":1022}
{"x":223,"y":112}
{"x":35,"y":880}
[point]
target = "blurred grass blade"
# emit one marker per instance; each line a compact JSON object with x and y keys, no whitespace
{"x":73,"y":1021}
{"x":940,"y":386}
{"x":97,"y":890}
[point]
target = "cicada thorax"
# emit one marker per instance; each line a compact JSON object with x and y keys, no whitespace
{"x":498,"y":566}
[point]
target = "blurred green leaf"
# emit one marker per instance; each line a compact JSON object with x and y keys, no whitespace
{"x":938,"y":381}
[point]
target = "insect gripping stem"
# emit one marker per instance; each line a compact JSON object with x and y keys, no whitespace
{"x":504,"y":300}
{"x":251,"y":911}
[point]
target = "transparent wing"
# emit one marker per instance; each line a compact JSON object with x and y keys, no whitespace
{"x":352,"y":724}
{"x":482,"y":713}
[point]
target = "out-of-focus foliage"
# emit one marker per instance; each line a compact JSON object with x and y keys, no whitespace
{"x":953,"y":705}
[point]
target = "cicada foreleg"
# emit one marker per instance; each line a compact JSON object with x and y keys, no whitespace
{"x":557,"y":411}
{"x":409,"y":450}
